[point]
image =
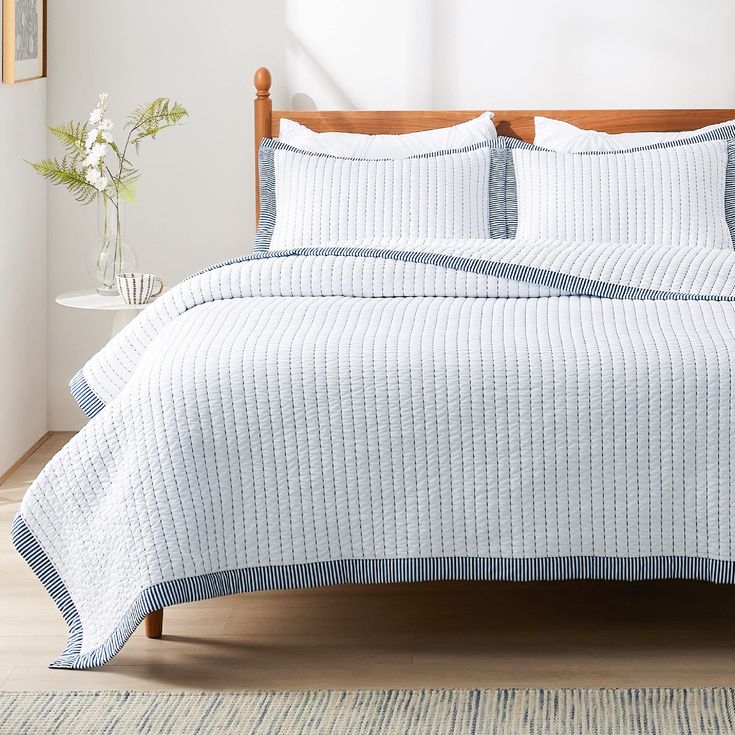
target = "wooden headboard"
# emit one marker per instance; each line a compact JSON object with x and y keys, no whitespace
{"x":513,"y":123}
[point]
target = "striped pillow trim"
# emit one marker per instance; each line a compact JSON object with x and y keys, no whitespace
{"x":278,"y":145}
{"x":500,"y":166}
{"x":725,"y":133}
{"x":730,"y":189}
{"x":267,"y":181}
{"x":511,"y":198}
{"x":502,"y":194}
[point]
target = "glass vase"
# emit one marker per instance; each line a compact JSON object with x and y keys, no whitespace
{"x":111,"y":256}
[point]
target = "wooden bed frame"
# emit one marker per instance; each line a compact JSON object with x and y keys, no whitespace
{"x":513,"y":123}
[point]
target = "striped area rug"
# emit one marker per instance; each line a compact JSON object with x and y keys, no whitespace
{"x":387,"y":712}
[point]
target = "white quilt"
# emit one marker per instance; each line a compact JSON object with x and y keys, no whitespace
{"x":477,"y":410}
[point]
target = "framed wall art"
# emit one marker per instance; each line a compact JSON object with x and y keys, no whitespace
{"x":24,"y":40}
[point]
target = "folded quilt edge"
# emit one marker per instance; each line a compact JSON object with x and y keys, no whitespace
{"x":31,"y":550}
{"x":344,"y":571}
{"x":90,"y":403}
{"x":567,"y":283}
{"x":87,"y":400}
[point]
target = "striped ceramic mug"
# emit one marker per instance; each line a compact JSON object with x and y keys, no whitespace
{"x":138,"y":288}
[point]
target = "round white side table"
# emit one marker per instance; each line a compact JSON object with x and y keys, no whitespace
{"x":122,"y":313}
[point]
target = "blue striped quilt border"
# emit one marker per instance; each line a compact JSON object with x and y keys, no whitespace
{"x":86,"y":398}
{"x":347,"y":571}
{"x":91,"y":404}
{"x":570,"y":284}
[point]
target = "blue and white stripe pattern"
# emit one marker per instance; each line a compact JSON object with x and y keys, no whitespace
{"x":486,"y":409}
{"x":309,"y":198}
{"x":267,"y":187}
{"x":642,"y":177}
{"x":334,"y":191}
{"x":503,"y":268}
{"x":730,"y":189}
{"x":348,"y":571}
{"x":84,"y":395}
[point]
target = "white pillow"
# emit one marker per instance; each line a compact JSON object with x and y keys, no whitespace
{"x":311,"y":199}
{"x":557,"y":135}
{"x":668,"y":196}
{"x":357,"y":145}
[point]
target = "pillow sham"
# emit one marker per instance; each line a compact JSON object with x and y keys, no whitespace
{"x":357,"y":145}
{"x":674,"y":194}
{"x":311,"y":199}
{"x":557,"y":135}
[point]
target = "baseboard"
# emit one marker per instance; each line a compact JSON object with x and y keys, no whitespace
{"x":13,"y":467}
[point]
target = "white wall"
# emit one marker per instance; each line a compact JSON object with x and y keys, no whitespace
{"x":22,"y":270}
{"x":462,"y":54}
{"x":196,"y":192}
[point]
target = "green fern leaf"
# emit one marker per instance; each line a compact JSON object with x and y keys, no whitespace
{"x":72,"y":136}
{"x":64,"y":173}
{"x":147,"y":121}
{"x":128,"y":189}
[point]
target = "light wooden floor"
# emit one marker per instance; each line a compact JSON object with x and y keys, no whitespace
{"x":442,"y":635}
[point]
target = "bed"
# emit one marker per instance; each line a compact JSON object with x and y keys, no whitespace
{"x":505,"y":405}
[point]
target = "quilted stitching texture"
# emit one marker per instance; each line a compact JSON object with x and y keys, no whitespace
{"x":672,"y":196}
{"x":310,"y":199}
{"x":325,"y":409}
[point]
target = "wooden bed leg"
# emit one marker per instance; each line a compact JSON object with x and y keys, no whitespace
{"x":153,"y":624}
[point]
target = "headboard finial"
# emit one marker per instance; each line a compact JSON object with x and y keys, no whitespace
{"x":262,"y":81}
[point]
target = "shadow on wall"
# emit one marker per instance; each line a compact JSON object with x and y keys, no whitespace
{"x":359,"y":56}
{"x":464,"y":54}
{"x":384,"y":54}
{"x":306,"y":59}
{"x":302,"y":101}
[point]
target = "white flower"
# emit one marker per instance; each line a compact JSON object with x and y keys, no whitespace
{"x":106,"y":136}
{"x":96,"y":117}
{"x":98,"y":150}
{"x":92,"y":175}
{"x":91,"y":138}
{"x":96,"y":179}
{"x":95,"y":154}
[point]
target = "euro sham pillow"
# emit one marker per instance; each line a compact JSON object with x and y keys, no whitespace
{"x":557,"y":135}
{"x":312,"y":199}
{"x":357,"y":145}
{"x":676,"y":194}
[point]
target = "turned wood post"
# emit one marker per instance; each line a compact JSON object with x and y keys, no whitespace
{"x":153,"y":624}
{"x":263,"y":106}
